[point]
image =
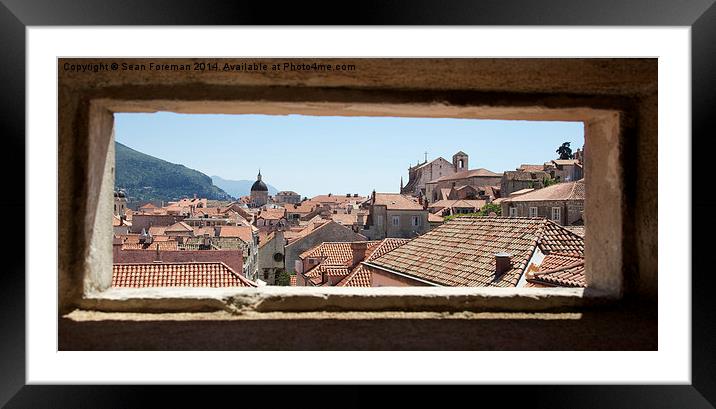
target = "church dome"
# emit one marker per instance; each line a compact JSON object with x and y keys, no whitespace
{"x":259,"y":185}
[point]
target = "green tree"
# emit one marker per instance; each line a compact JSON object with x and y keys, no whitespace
{"x":564,"y":151}
{"x":489,"y":208}
{"x":284,"y":278}
{"x":549,"y":182}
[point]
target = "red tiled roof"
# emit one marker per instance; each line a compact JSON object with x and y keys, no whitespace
{"x":462,"y":251}
{"x":272,"y":214}
{"x":304,"y":207}
{"x":578,"y":230}
{"x":361,"y":276}
{"x":336,"y":199}
{"x":396,"y":201}
{"x":179,"y":227}
{"x":467,"y":174}
{"x":328,"y":269}
{"x":531,"y":168}
{"x":434,"y":218}
{"x":345,"y":218}
{"x":214,"y":274}
{"x":460,"y":203}
{"x":560,"y":191}
{"x":562,"y":162}
{"x":333,"y":252}
{"x":157,"y":230}
{"x":293,"y":280}
{"x":570,"y":275}
{"x":245,"y":233}
{"x":200,"y":231}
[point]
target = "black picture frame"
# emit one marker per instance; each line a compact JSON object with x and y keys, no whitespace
{"x":16,"y":15}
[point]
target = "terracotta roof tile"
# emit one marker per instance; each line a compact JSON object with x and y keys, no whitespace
{"x":361,"y":276}
{"x":531,"y":168}
{"x":157,"y":230}
{"x":467,"y":174}
{"x":245,"y":233}
{"x":272,"y":214}
{"x":578,"y":230}
{"x":561,"y":271}
{"x":178,"y":227}
{"x":177,"y":275}
{"x":560,"y":191}
{"x":461,"y":251}
{"x":396,"y":201}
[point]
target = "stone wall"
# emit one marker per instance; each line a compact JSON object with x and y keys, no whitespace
{"x":572,"y":210}
{"x":268,"y":267}
{"x":405,"y":229}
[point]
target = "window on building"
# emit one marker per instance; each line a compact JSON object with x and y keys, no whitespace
{"x":557,"y":214}
{"x":513,"y":212}
{"x":416,"y":221}
{"x":396,"y":220}
{"x":533,"y":212}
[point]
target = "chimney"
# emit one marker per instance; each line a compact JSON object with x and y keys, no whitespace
{"x":358,"y":248}
{"x":157,"y":256}
{"x":372,"y":200}
{"x":503,"y":262}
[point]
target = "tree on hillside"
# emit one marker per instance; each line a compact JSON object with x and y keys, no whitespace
{"x":564,"y":151}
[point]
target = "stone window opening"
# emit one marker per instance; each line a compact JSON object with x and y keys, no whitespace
{"x":603,"y":124}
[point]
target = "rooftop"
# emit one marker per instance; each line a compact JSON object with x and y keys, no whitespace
{"x":559,"y":270}
{"x":481,"y":172}
{"x":461,"y":252}
{"x":209,"y":274}
{"x":560,"y":191}
{"x":396,"y":201}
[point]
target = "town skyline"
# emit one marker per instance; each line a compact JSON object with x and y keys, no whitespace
{"x":294,"y":151}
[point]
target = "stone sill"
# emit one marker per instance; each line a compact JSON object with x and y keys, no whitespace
{"x":243,"y":301}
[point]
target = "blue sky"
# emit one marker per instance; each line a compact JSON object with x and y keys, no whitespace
{"x":319,"y":155}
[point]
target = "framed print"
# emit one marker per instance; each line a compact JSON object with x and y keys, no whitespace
{"x":469,"y":272}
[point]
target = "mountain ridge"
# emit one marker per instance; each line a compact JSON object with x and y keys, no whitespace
{"x":147,"y":178}
{"x":238,"y":188}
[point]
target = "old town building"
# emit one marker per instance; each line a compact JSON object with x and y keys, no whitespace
{"x":562,"y":203}
{"x":259,"y":192}
{"x":475,"y":251}
{"x":394,"y":215}
{"x":422,"y":173}
{"x":476,"y":178}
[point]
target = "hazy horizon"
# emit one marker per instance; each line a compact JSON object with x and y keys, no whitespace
{"x":318,"y":155}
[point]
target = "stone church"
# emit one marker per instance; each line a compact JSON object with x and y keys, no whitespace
{"x":422,"y":173}
{"x":259,"y":192}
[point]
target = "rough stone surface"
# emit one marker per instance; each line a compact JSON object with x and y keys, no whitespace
{"x":587,"y":330}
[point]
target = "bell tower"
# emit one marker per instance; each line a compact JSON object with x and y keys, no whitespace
{"x":459,"y":162}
